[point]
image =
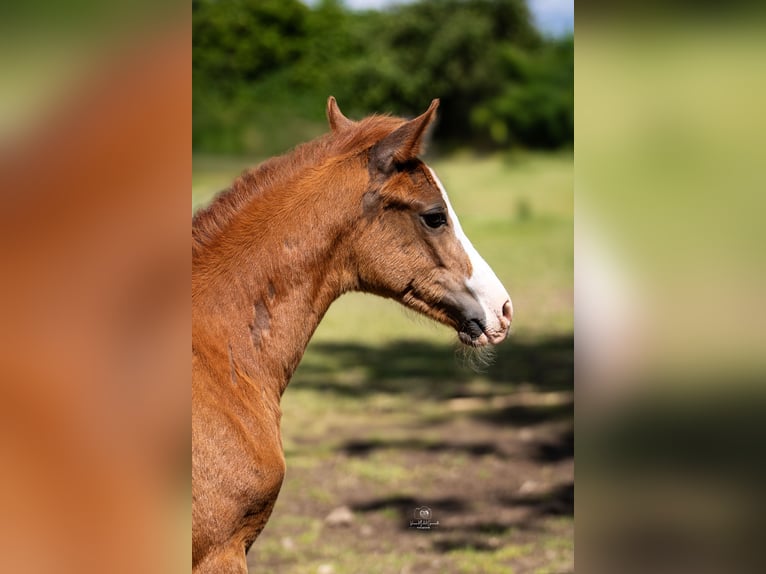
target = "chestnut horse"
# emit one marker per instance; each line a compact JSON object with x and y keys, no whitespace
{"x":354,"y":210}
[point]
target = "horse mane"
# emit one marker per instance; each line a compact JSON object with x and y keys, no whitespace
{"x":209,"y":222}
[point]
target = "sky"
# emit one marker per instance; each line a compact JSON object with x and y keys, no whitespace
{"x":553,"y":17}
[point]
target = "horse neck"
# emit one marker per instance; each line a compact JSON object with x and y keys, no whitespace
{"x":261,"y":290}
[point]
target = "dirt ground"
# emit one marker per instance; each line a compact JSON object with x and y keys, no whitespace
{"x":374,"y":434}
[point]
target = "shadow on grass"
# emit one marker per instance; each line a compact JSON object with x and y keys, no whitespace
{"x":406,"y":505}
{"x":436,"y":372}
{"x":461,"y":530}
{"x":360,"y":447}
{"x":549,"y":451}
{"x":477,"y":536}
{"x":553,"y":451}
{"x":521,"y":389}
{"x":558,"y":501}
{"x":527,"y":415}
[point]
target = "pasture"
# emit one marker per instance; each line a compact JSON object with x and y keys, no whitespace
{"x":386,"y":414}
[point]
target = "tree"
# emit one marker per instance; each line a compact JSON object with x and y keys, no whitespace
{"x":264,"y":68}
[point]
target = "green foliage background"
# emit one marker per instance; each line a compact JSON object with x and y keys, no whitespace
{"x":264,"y":68}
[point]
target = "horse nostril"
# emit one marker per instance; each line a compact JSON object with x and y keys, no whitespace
{"x":508,"y":312}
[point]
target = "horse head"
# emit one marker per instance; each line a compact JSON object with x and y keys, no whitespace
{"x":410,"y":246}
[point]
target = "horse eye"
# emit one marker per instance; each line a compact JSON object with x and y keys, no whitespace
{"x":434,"y":219}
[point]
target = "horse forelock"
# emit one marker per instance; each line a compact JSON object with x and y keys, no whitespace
{"x":210,"y":221}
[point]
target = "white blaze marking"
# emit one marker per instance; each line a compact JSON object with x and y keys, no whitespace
{"x":482,"y":283}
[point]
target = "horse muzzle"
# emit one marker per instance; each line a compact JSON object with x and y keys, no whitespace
{"x":478,"y":328}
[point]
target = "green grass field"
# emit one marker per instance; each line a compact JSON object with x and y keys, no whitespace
{"x":384,"y":414}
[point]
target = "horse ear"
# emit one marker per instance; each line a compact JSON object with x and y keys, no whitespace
{"x":404,"y":143}
{"x":336,"y":119}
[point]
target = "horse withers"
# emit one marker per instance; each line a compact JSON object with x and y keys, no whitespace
{"x":354,"y":210}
